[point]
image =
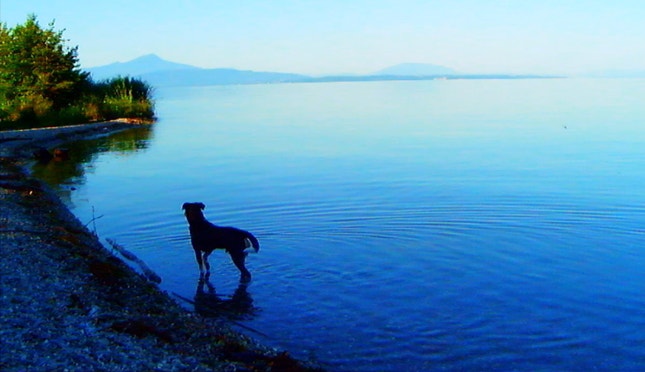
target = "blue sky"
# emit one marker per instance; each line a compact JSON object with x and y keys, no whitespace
{"x":344,"y":36}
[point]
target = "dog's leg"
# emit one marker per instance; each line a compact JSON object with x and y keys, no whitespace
{"x":206,"y":264}
{"x":198,"y":256}
{"x":238,"y":259}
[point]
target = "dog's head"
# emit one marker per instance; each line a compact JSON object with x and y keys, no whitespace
{"x":193,"y":211}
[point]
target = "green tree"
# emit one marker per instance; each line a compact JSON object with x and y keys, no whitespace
{"x":4,"y":84}
{"x":41,"y":83}
{"x":38,"y":73}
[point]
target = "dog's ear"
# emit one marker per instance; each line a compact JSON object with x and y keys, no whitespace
{"x":201,"y":205}
{"x":184,"y":206}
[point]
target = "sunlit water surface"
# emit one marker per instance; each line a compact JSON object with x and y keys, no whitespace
{"x":404,"y":225}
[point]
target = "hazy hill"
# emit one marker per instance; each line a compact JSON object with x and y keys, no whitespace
{"x":416,"y":69}
{"x":159,"y":72}
{"x":137,"y":67}
{"x":218,"y":76}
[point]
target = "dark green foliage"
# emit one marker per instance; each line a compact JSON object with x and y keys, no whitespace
{"x":41,"y":83}
{"x":38,"y":73}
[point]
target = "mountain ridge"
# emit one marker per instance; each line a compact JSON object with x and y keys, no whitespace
{"x":159,"y":72}
{"x":145,"y":64}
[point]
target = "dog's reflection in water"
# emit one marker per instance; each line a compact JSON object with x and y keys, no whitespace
{"x":208,"y":303}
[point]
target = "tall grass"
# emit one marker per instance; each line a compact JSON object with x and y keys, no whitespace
{"x":124,"y":97}
{"x":116,"y":98}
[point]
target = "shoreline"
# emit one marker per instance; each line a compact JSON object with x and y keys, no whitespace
{"x":67,"y":302}
{"x":21,"y":142}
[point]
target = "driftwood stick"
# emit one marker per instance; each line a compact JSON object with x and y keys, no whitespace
{"x":149,"y":274}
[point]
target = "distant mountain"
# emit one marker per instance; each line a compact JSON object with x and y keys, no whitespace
{"x":219,"y":76}
{"x":159,"y":72}
{"x":416,"y":69}
{"x":143,"y":65}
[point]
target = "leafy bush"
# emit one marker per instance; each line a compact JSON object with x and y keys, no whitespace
{"x":41,"y":83}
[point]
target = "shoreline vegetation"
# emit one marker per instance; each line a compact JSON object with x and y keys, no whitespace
{"x":69,"y":303}
{"x":42,"y":85}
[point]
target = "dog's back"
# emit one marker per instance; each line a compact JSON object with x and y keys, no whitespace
{"x":238,"y":239}
{"x":209,"y":237}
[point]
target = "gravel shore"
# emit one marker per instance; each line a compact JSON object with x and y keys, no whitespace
{"x":67,"y":303}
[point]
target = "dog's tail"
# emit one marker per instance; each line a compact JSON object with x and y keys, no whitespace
{"x":251,"y":241}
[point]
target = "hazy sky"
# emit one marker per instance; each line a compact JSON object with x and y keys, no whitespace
{"x":345,"y":36}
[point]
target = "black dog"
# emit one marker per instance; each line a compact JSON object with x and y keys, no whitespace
{"x":207,"y":237}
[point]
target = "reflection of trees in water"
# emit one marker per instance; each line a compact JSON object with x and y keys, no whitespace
{"x":83,"y":153}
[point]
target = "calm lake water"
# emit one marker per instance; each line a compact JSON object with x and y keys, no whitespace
{"x":457,"y":225}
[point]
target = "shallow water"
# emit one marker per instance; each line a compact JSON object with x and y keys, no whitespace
{"x":454,"y":225}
